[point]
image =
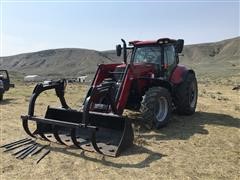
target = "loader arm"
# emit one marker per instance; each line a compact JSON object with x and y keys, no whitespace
{"x":123,"y":92}
{"x":115,"y":90}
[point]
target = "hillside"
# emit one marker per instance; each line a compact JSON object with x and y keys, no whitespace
{"x":208,"y":59}
{"x":219,"y":59}
{"x":56,"y":62}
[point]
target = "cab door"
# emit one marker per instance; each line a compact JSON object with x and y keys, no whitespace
{"x":170,"y":60}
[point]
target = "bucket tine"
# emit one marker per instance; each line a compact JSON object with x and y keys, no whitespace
{"x":43,"y":155}
{"x":64,"y":137}
{"x":56,"y":135}
{"x":50,"y":137}
{"x":105,"y":133}
{"x":18,"y":146}
{"x":25,"y":150}
{"x":28,"y":152}
{"x":21,"y":150}
{"x":42,"y":135}
{"x":74,"y":138}
{"x":127,"y":137}
{"x":38,"y":150}
{"x":16,"y":143}
{"x":27,"y":130}
{"x":94,"y":142}
{"x":112,"y":134}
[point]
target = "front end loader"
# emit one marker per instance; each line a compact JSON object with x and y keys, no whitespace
{"x":105,"y":133}
{"x":152,"y":83}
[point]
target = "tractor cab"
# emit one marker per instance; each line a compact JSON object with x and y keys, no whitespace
{"x":162,"y":54}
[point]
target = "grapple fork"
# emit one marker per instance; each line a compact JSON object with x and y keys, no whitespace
{"x":105,"y":133}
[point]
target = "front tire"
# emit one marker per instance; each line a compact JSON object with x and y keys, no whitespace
{"x":156,"y":107}
{"x":186,"y":96}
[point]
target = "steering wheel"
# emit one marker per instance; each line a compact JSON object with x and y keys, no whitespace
{"x":150,"y":58}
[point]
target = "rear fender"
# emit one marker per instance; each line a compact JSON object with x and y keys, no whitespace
{"x":179,"y":74}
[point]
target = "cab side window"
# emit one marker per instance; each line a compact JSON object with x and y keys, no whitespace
{"x":169,"y":55}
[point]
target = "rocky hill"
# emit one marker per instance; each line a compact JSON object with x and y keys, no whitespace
{"x":214,"y":59}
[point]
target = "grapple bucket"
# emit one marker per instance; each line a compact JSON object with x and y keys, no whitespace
{"x":105,"y":133}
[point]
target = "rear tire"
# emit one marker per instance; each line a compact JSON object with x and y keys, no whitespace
{"x":186,"y":96}
{"x":156,"y":107}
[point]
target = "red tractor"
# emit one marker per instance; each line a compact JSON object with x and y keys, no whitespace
{"x":152,"y":82}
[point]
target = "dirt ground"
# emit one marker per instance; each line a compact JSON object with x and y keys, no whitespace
{"x":202,"y":146}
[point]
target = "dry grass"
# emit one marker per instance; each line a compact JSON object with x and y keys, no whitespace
{"x":204,"y":146}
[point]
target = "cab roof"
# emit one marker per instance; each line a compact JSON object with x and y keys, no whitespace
{"x":152,"y":42}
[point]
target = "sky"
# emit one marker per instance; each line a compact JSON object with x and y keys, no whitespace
{"x":28,"y":26}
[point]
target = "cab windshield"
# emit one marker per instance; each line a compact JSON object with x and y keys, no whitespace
{"x":148,"y":54}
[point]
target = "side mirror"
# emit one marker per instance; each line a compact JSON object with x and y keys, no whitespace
{"x":118,"y":50}
{"x":179,"y":45}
